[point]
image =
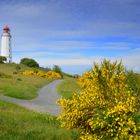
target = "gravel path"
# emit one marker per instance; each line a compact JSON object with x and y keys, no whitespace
{"x":45,"y":102}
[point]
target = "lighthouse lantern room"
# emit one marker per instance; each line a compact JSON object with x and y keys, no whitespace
{"x":6,"y":44}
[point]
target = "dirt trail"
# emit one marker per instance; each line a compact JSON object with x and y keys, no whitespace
{"x":45,"y":102}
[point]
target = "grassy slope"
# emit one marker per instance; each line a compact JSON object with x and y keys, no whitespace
{"x":17,"y":123}
{"x":67,"y":87}
{"x":19,"y":86}
{"x":139,"y":83}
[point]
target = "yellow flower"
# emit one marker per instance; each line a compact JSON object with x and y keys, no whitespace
{"x":39,"y":73}
{"x":104,"y":107}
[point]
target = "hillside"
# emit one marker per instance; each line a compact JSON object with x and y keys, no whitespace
{"x":18,"y":123}
{"x":36,"y":125}
{"x":16,"y":85}
{"x":138,"y":82}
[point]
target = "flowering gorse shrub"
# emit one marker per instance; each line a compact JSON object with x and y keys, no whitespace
{"x":53,"y":75}
{"x":106,"y":108}
{"x":39,"y":73}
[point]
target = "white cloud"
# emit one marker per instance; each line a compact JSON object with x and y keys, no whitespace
{"x":45,"y":54}
{"x":71,"y":45}
{"x":66,"y":61}
{"x":132,"y":61}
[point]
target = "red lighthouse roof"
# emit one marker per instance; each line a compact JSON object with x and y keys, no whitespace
{"x":6,"y":28}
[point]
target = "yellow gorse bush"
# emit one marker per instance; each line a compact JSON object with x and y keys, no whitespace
{"x":53,"y":75}
{"x":39,"y":73}
{"x":106,"y":108}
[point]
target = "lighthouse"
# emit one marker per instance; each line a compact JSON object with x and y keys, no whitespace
{"x":6,"y":44}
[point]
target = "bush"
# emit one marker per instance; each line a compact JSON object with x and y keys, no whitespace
{"x":3,"y":59}
{"x":132,"y":81}
{"x":53,"y":75}
{"x":39,"y":73}
{"x":29,"y":62}
{"x":106,"y":108}
{"x":57,"y":69}
{"x":76,"y":76}
{"x":19,"y":79}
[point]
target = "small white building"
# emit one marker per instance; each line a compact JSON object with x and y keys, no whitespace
{"x":6,"y":44}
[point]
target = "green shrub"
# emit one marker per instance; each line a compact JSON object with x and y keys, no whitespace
{"x":57,"y":69}
{"x":3,"y":59}
{"x":19,"y":79}
{"x":29,"y":62}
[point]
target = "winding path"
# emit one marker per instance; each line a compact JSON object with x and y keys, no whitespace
{"x":45,"y":102}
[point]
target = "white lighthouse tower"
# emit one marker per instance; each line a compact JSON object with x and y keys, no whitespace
{"x":6,"y":44}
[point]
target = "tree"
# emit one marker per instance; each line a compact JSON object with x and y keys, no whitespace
{"x":29,"y":62}
{"x":3,"y":59}
{"x":57,"y":69}
{"x":106,"y":108}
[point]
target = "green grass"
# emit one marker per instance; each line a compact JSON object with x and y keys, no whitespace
{"x":67,"y":87}
{"x":17,"y":85}
{"x":17,"y":123}
{"x":138,"y":80}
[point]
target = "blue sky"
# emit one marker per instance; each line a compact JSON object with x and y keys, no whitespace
{"x":74,"y":33}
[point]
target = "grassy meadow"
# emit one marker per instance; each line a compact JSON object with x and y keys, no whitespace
{"x":17,"y":123}
{"x":17,"y":85}
{"x":67,"y":87}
